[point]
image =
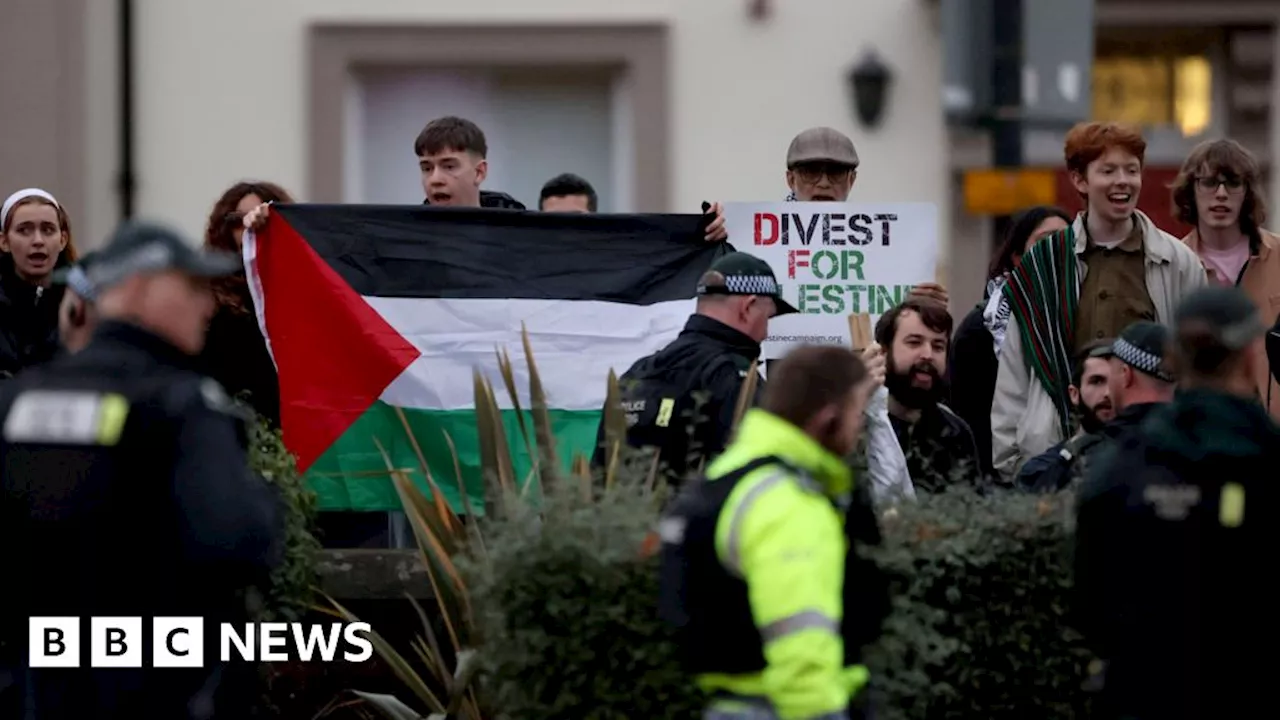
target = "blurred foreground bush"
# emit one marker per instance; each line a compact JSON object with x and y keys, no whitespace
{"x":980,"y":620}
{"x":291,"y":591}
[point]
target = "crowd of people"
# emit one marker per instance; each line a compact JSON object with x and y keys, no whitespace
{"x":1107,"y":357}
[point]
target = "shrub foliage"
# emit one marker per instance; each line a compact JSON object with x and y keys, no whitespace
{"x":549,"y":600}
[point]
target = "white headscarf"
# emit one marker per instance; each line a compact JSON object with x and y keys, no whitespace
{"x":18,"y":197}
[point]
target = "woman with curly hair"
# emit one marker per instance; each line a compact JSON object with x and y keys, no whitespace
{"x":35,"y":240}
{"x":235,"y":352}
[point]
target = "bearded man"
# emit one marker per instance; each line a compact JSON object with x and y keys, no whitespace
{"x":938,"y":444}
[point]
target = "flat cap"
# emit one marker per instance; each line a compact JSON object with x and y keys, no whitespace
{"x":822,"y":144}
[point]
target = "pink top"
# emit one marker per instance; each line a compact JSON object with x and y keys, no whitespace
{"x":1225,"y":264}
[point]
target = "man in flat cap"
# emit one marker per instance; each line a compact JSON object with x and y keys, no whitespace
{"x":822,"y":166}
{"x":125,"y":482}
{"x":1176,"y":524}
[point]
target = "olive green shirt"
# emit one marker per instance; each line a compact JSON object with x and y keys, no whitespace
{"x":1114,"y":292}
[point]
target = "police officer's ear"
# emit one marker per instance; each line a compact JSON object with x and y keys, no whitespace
{"x":76,"y":313}
{"x":1073,"y":393}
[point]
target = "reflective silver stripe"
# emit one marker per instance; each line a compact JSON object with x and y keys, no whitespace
{"x":732,"y":560}
{"x":807,"y":620}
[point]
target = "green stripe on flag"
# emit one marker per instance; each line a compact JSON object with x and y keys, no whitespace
{"x":352,"y":474}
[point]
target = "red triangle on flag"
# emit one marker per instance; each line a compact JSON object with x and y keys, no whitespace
{"x":334,"y":353}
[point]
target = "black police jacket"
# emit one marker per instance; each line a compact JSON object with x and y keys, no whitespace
{"x":125,"y":491}
{"x":692,"y":383}
{"x":1058,"y":467}
{"x":28,"y":320}
{"x":1176,"y":530}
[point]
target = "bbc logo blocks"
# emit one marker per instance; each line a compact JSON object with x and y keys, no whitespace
{"x":116,"y":642}
{"x":179,"y":642}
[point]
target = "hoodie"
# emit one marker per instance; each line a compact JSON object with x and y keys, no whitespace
{"x":1174,"y":532}
{"x":28,"y":319}
{"x":494,"y":199}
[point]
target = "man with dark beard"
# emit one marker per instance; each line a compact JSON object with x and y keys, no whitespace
{"x":1090,"y":393}
{"x":937,"y":443}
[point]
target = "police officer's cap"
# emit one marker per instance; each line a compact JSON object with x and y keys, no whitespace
{"x":1226,"y":312}
{"x":1141,"y":346}
{"x":76,"y":277}
{"x":143,"y":247}
{"x":739,"y":273}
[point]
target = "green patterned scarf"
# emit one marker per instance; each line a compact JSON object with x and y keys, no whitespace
{"x":1043,"y":292}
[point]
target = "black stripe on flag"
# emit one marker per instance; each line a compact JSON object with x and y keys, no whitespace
{"x":433,"y":252}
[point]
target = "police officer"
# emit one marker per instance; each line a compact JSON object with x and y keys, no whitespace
{"x":694,"y":382}
{"x":125,"y":491}
{"x":1176,"y":525}
{"x":759,"y":574}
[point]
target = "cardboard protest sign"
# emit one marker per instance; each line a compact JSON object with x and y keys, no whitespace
{"x":834,"y":260}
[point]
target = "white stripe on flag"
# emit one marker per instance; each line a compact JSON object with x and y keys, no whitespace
{"x":575,"y":343}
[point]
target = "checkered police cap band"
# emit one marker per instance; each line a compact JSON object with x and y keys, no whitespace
{"x":750,"y":285}
{"x":80,"y":285}
{"x":1147,"y":362}
{"x":148,"y":258}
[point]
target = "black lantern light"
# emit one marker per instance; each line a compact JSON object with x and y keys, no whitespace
{"x":869,"y":80}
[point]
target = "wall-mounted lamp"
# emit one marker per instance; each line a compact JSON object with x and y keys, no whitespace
{"x":869,"y":82}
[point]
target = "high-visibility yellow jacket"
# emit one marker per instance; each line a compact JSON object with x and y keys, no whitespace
{"x":782,"y":530}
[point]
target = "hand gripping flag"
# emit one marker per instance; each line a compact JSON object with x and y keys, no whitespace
{"x":371,"y":308}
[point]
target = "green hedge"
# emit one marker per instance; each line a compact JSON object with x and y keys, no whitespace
{"x":290,"y":593}
{"x":980,"y":625}
{"x":566,"y":612}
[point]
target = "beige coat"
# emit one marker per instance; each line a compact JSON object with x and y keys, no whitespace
{"x":1024,"y":422}
{"x":1261,"y":282}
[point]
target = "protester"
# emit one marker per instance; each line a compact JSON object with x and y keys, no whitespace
{"x":453,"y":157}
{"x":979,"y":336}
{"x":78,"y":317}
{"x":235,"y":353}
{"x":822,"y":166}
{"x":1110,"y":268}
{"x":137,"y":501}
{"x":568,"y":193}
{"x":938,"y":445}
{"x":35,"y":240}
{"x":1219,"y":193}
{"x":772,"y":620}
{"x":1173,"y":526}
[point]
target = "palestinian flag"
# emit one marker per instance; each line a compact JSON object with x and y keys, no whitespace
{"x":367,"y":309}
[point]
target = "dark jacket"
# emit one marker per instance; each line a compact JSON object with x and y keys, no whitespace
{"x":1177,"y":525}
{"x":236,"y":355}
{"x":973,"y":367}
{"x":1061,"y":465}
{"x":702,"y":372}
{"x":28,"y":320}
{"x":495,"y":199}
{"x":144,"y":508}
{"x":939,"y":449}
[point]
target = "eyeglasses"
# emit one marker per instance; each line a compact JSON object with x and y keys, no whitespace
{"x":1210,"y":183}
{"x":814,"y":172}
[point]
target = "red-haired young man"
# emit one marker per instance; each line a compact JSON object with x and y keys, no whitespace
{"x":1110,"y":268}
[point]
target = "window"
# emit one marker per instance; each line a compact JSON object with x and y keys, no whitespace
{"x":1155,"y":91}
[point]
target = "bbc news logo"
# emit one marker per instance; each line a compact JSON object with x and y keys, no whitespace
{"x":178,"y":642}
